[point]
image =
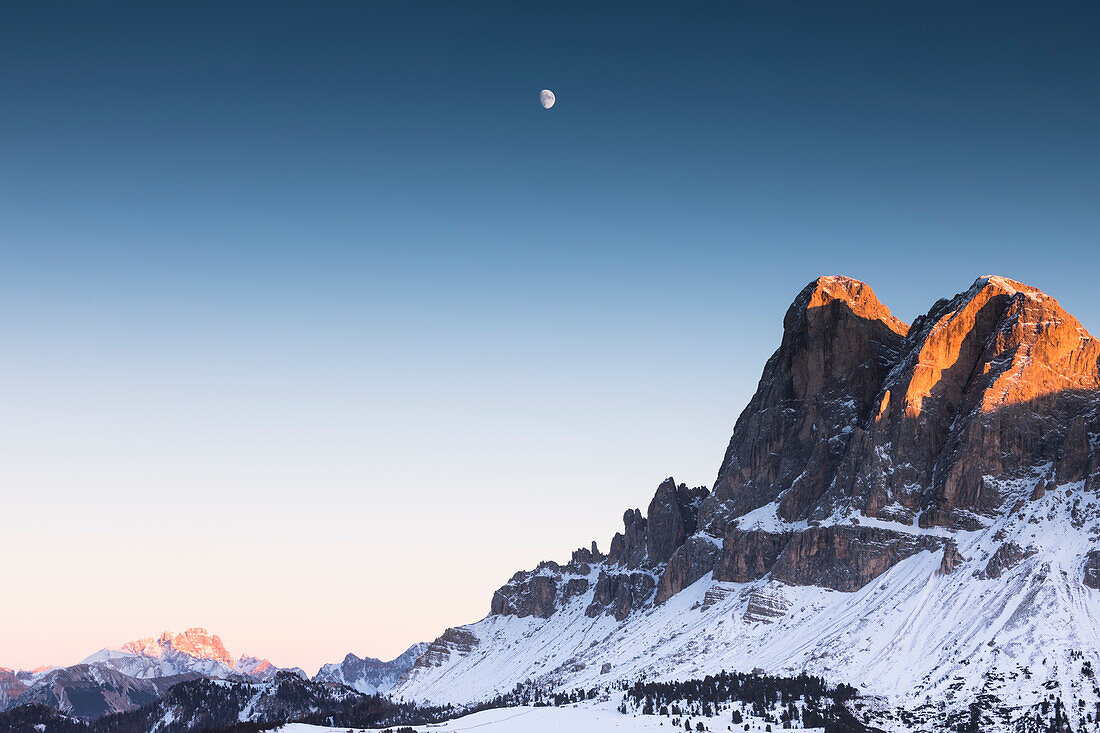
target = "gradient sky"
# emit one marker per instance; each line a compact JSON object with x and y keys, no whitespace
{"x":315,"y":326}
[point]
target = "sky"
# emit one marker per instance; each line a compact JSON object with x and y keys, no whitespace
{"x":316,"y":327}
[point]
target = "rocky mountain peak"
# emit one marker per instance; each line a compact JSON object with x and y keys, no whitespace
{"x":195,"y":642}
{"x":839,"y":344}
{"x":1007,"y":285}
{"x":980,"y":332}
{"x":981,"y":375}
{"x":1042,"y":348}
{"x":853,"y":294}
{"x":671,"y":518}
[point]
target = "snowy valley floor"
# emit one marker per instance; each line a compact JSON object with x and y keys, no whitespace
{"x":581,"y":718}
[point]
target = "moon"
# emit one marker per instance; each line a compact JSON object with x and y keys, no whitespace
{"x":547,"y":98}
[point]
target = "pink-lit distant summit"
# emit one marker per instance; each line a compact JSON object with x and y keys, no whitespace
{"x":194,"y":650}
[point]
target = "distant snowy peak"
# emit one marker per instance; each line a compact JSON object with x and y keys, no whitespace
{"x":194,"y":650}
{"x":195,"y":642}
{"x":368,"y":675}
{"x":259,"y":668}
{"x":263,"y":670}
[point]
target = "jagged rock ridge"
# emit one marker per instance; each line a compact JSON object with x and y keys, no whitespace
{"x":369,"y":675}
{"x":13,"y":683}
{"x":90,"y":691}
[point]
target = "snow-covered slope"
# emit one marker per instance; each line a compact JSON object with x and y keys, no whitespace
{"x":913,"y":636}
{"x":586,"y":717}
{"x":583,"y":718}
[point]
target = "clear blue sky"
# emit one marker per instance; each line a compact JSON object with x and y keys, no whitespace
{"x":316,"y":326}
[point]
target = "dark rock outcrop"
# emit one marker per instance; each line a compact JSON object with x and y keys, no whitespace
{"x":537,"y":595}
{"x":452,"y":641}
{"x":576,"y":587}
{"x":628,"y":548}
{"x":1007,"y":556}
{"x":657,"y":549}
{"x":1091,"y":571}
{"x":766,"y":605}
{"x":951,"y":558}
{"x":748,"y":554}
{"x":671,"y":518}
{"x":620,"y":593}
{"x":846,"y":557}
{"x":691,"y":561}
{"x":587,"y":556}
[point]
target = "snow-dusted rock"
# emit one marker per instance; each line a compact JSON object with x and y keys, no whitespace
{"x":194,"y":650}
{"x":369,"y":675}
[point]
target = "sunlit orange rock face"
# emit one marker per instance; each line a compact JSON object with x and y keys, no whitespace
{"x":857,"y":412}
{"x":990,"y":388}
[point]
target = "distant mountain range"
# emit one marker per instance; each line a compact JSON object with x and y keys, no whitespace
{"x":204,"y":704}
{"x":193,"y":651}
{"x":89,"y":691}
{"x":370,"y":676}
{"x":141,"y":671}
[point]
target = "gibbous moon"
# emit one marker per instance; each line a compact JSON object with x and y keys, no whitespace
{"x":546,"y":98}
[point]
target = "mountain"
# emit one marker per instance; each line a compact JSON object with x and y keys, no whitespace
{"x":194,"y":650}
{"x":369,"y":675}
{"x":203,"y":704}
{"x":14,"y":683}
{"x":262,"y":669}
{"x":142,"y":671}
{"x":11,"y":686}
{"x":137,"y":673}
{"x":909,"y":509}
{"x":88,"y":691}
